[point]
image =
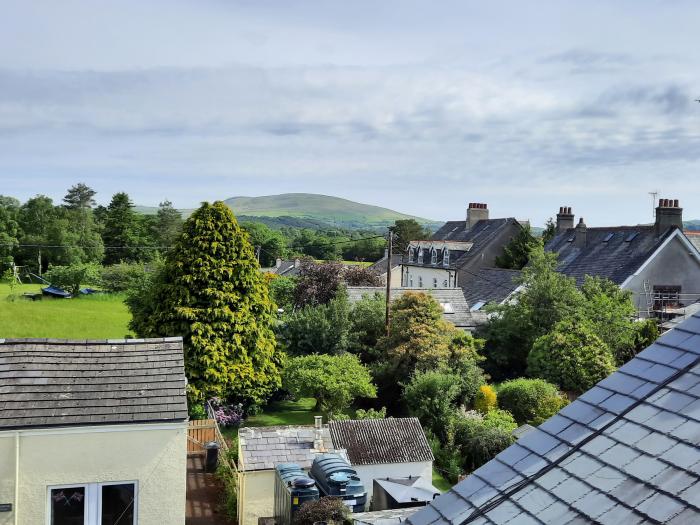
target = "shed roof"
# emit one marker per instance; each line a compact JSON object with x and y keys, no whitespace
{"x":627,"y":451}
{"x":53,"y":382}
{"x":264,"y":447}
{"x":378,"y":441}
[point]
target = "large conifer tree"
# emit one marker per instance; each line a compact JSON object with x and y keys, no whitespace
{"x":212,"y":293}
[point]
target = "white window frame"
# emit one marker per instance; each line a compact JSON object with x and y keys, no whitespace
{"x":93,"y":499}
{"x":445,"y":257}
{"x":435,"y":281}
{"x":433,"y":256}
{"x":411,"y":254}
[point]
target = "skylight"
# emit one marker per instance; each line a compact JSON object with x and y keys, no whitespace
{"x":631,"y":236}
{"x":447,"y":308}
{"x":477,"y":306}
{"x":608,"y":237}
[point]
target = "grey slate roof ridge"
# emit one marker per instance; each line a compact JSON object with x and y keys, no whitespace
{"x":74,"y":342}
{"x":484,"y":482}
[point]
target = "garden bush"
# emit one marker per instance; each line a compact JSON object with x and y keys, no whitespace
{"x":486,"y":399}
{"x":572,"y":356}
{"x":323,"y":510}
{"x":71,"y":278}
{"x":479,"y":438}
{"x":123,"y":276}
{"x":530,"y":401}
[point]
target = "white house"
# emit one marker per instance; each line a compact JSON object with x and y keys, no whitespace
{"x":92,"y":432}
{"x":656,"y":262}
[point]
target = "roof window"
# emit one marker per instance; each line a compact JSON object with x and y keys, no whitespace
{"x":631,"y":236}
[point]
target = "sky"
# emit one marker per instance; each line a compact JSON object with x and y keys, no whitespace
{"x":418,"y":106}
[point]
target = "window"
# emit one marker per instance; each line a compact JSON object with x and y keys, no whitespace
{"x":444,"y":283}
{"x":445,"y":257}
{"x":420,"y":255}
{"x":410,"y":281}
{"x":411,"y":253}
{"x":433,"y":256}
{"x":434,"y":282}
{"x":93,"y":504}
{"x":420,"y":281}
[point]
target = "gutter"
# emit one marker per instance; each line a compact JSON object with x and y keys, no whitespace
{"x":16,"y":513}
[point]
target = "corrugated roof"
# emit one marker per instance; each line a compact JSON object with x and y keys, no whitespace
{"x":627,"y":451}
{"x":53,"y":382}
{"x":376,"y":441}
{"x":460,"y":316}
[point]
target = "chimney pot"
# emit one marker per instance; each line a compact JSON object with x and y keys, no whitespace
{"x":675,"y":203}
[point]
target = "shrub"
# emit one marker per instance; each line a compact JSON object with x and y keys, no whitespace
{"x":229,"y":494}
{"x":323,"y":510}
{"x":480,"y":438}
{"x":530,"y":401}
{"x":572,"y":356}
{"x":371,"y":413}
{"x":71,"y":278}
{"x":197,"y":411}
{"x":485,"y":399}
{"x":321,"y":329}
{"x":226,"y":415}
{"x":431,"y":397}
{"x":123,"y":276}
{"x":447,"y":458}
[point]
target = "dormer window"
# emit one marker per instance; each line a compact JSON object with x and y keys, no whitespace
{"x":420,"y":255}
{"x":411,"y":254}
{"x":445,"y":257}
{"x":433,"y":256}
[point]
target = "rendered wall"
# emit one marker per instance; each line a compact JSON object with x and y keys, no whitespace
{"x":156,"y":459}
{"x":428,"y":273}
{"x":674,"y":265}
{"x":256,"y":496}
{"x":368,"y":473}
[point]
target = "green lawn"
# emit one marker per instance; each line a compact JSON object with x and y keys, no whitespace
{"x":88,"y":317}
{"x":285,"y":413}
{"x":440,"y":483}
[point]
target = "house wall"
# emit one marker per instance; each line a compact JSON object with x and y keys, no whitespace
{"x":427,"y":273}
{"x":368,"y":473}
{"x":153,"y":455}
{"x":395,"y":277}
{"x":256,"y":496}
{"x":674,"y":265}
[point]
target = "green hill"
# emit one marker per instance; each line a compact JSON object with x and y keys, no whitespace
{"x":331,"y":210}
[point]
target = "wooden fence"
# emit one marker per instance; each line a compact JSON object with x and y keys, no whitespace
{"x":201,"y":431}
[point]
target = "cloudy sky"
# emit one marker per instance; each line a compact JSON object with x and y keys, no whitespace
{"x":420,"y":106}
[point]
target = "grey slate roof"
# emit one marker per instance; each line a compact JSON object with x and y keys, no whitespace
{"x":625,"y":452}
{"x":481,"y":235}
{"x":379,"y":441}
{"x":491,"y":285}
{"x":694,"y":237}
{"x":461,"y":317}
{"x":53,"y":382}
{"x":264,"y":447}
{"x":379,"y":267}
{"x":615,"y":258}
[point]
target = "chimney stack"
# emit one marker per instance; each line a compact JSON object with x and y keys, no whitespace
{"x":668,"y":215}
{"x":318,"y":433}
{"x":581,"y":234}
{"x":477,"y":211}
{"x":565,"y":219}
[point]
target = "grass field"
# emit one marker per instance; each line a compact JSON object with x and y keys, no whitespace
{"x":89,"y":317}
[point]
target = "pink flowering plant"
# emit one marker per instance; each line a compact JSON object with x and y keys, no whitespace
{"x":226,"y":415}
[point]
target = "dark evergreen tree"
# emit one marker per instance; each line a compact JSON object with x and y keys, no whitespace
{"x":212,"y":293}
{"x":407,"y":230}
{"x":516,"y":253}
{"x":167,"y":225}
{"x":79,"y":197}
{"x":121,"y":235}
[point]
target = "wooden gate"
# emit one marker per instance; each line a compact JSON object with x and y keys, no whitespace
{"x":200,"y":431}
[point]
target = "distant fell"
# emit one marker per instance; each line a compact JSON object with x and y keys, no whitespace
{"x":313,"y":207}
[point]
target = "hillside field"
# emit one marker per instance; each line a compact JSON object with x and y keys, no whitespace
{"x":90,"y":317}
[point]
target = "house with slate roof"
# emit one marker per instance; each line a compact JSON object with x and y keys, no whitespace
{"x":625,"y":452}
{"x":455,"y":309}
{"x":456,"y":252}
{"x":656,"y":262}
{"x":379,"y":268}
{"x":92,"y":432}
{"x":384,"y":449}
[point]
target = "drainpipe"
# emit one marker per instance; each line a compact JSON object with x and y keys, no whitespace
{"x":16,"y":478}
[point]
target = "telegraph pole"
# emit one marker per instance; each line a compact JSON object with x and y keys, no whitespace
{"x":388,"y":281}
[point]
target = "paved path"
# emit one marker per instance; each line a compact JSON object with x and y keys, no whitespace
{"x":203,"y":495}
